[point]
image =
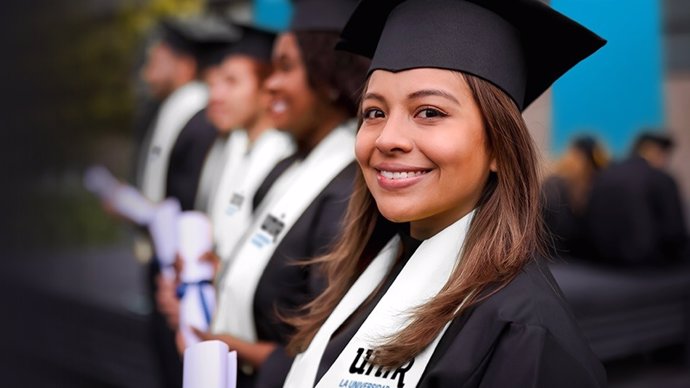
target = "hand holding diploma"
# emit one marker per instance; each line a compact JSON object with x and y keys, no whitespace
{"x":197,"y":296}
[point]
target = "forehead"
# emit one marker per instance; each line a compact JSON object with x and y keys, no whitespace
{"x":236,"y":62}
{"x":409,"y":81}
{"x":285,"y":44}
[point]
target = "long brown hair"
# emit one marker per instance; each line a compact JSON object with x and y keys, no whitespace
{"x":503,"y":236}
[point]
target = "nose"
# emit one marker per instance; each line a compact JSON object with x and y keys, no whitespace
{"x":215,"y":92}
{"x":273,"y":82}
{"x":394,"y":136}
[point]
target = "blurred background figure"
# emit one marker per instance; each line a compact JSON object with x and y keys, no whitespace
{"x":176,"y":144}
{"x":635,"y":215}
{"x":566,"y":192}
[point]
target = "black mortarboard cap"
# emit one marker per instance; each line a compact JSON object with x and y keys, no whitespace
{"x":521,"y":46}
{"x":321,"y":15}
{"x":255,"y":42}
{"x":205,"y":37}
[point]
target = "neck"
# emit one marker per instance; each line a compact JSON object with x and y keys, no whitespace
{"x":181,"y":81}
{"x":314,"y":136}
{"x":258,"y":126}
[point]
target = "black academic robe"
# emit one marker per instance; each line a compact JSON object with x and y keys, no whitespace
{"x":187,"y":159}
{"x":184,"y":170}
{"x":524,"y":335}
{"x":284,"y":286}
{"x":635,"y":216}
{"x":564,"y":225}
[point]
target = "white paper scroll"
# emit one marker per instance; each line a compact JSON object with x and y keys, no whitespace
{"x":198,"y":301}
{"x":208,"y":364}
{"x":195,"y":239}
{"x":124,"y":199}
{"x":163,"y":231}
{"x":98,"y":180}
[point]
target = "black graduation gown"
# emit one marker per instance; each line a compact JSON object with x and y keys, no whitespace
{"x":564,"y":225}
{"x":284,"y":286}
{"x":184,"y":170}
{"x":635,"y":216}
{"x":187,"y":159}
{"x":522,"y":336}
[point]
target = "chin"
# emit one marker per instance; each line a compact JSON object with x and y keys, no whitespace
{"x":393,"y":214}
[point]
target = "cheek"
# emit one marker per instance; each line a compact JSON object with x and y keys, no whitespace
{"x":364,"y":147}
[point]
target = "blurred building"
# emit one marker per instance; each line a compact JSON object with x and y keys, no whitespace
{"x":644,"y":81}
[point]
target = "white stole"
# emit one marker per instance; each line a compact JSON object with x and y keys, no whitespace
{"x":423,"y":276}
{"x":237,"y":287}
{"x":226,"y":153}
{"x":174,"y":114}
{"x":231,"y":205}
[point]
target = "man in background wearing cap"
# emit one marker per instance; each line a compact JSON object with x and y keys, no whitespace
{"x":635,"y":214}
{"x":177,"y":143}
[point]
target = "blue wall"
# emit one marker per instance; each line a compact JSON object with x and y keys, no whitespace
{"x":619,"y":89}
{"x":272,"y":14}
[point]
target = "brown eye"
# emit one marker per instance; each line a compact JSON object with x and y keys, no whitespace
{"x":430,"y":113}
{"x":373,"y":113}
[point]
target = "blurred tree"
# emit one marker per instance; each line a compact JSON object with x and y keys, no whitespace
{"x":70,"y":99}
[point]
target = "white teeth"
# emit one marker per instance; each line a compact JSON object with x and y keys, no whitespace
{"x":401,"y":175}
{"x":279,"y":107}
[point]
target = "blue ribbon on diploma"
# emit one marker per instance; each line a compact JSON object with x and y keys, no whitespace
{"x":182,"y":289}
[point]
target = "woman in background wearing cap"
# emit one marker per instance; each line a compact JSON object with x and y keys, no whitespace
{"x":300,"y":206}
{"x":436,"y":281}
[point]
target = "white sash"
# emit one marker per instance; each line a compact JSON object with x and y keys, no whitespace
{"x":237,"y":287}
{"x":423,"y":276}
{"x":231,"y":208}
{"x":176,"y":111}
{"x":225,"y":154}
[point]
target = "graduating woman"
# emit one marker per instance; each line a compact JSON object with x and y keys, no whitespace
{"x":300,"y":206}
{"x":437,"y":281}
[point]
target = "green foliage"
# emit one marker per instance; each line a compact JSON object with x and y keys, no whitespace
{"x":83,"y":77}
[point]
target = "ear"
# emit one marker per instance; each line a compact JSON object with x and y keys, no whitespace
{"x":492,"y":165}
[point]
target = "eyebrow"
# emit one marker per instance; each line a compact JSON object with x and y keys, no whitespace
{"x":433,"y":92}
{"x":373,"y":96}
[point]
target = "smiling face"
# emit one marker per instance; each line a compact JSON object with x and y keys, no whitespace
{"x":159,"y":70}
{"x":234,"y":94}
{"x":422,"y":148}
{"x":293,"y":102}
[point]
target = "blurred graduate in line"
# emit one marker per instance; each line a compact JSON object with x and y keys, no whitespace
{"x":238,"y":107}
{"x":247,"y":149}
{"x":438,"y":280}
{"x":635,"y":215}
{"x":300,"y":206}
{"x":565,"y":194}
{"x":176,"y":145}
